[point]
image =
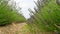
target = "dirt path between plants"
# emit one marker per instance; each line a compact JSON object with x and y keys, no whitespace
{"x":18,"y":28}
{"x":14,"y":28}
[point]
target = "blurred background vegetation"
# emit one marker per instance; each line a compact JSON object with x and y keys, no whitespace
{"x":46,"y":17}
{"x":9,"y":13}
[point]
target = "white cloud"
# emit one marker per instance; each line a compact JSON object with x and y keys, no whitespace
{"x":25,"y":4}
{"x":35,"y":0}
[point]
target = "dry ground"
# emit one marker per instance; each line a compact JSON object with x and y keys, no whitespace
{"x":14,"y":28}
{"x":18,"y":28}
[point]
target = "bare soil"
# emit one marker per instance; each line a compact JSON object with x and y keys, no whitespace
{"x":18,"y":28}
{"x":14,"y":28}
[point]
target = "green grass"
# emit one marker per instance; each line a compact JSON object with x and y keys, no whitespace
{"x":8,"y":14}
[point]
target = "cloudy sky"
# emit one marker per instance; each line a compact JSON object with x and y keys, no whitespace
{"x":25,"y":4}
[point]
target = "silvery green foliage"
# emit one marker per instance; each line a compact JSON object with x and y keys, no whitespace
{"x":47,"y":16}
{"x":58,"y":2}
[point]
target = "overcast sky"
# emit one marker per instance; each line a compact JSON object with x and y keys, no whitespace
{"x":25,"y":4}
